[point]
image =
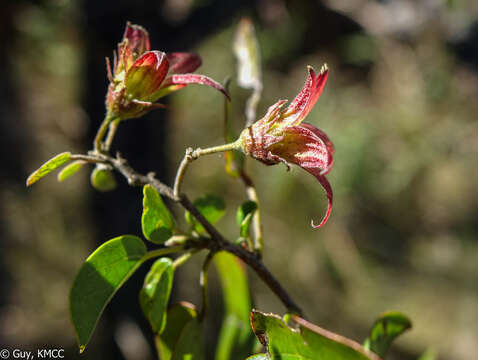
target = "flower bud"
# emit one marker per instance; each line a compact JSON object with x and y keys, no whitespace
{"x":102,"y":178}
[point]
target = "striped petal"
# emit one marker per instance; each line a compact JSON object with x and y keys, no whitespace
{"x":186,"y":79}
{"x":311,"y":149}
{"x":306,"y":99}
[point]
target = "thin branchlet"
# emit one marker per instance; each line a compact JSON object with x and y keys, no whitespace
{"x":217,"y":241}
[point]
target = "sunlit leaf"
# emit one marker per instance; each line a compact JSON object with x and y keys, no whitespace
{"x":307,"y":342}
{"x":212,"y":207}
{"x":385,"y":329}
{"x":236,"y":339}
{"x":154,"y":296}
{"x":179,"y":316}
{"x":156,"y":221}
{"x":258,"y":357}
{"x":103,"y":273}
{"x":49,"y":166}
{"x":70,"y":170}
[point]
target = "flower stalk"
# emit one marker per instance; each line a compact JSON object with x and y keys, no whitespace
{"x":192,"y":155}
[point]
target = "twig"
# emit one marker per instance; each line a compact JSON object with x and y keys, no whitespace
{"x":217,"y":243}
{"x":192,"y":155}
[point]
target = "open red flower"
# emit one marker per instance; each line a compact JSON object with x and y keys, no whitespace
{"x":280,"y":136}
{"x":140,"y":76}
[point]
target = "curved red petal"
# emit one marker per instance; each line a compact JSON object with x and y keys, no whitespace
{"x":328,"y":191}
{"x":307,"y":97}
{"x":186,"y":79}
{"x":183,"y":62}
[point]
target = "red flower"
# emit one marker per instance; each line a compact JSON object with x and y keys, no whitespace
{"x":140,"y":76}
{"x":280,"y":137}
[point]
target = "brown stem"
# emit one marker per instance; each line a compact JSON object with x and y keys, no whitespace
{"x":217,"y":243}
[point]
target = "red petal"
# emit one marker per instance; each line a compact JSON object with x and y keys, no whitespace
{"x":328,"y":191}
{"x":138,"y":39}
{"x":323,"y":136}
{"x":186,"y":79}
{"x":182,"y":62}
{"x":305,"y":100}
{"x":311,"y":149}
{"x":301,"y":145}
{"x":146,"y":75}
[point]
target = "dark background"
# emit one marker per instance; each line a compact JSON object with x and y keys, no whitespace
{"x":400,"y":106}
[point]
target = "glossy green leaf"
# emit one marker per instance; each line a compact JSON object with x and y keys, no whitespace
{"x":49,"y":166}
{"x":235,"y":287}
{"x":102,"y":178}
{"x":156,"y":221}
{"x":244,"y":217}
{"x":70,"y":170}
{"x":190,"y":343}
{"x":307,"y":342}
{"x":236,"y":339}
{"x":385,"y":329}
{"x":154,"y":296}
{"x":179,"y":316}
{"x":212,"y":207}
{"x":103,"y":273}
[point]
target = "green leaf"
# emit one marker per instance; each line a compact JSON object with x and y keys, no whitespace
{"x":103,"y":273}
{"x":48,"y":167}
{"x":233,"y":277}
{"x":156,"y":221}
{"x":179,"y":316}
{"x":154,"y":296}
{"x":212,"y":207}
{"x":70,"y":170}
{"x":102,"y":178}
{"x":236,"y":340}
{"x":244,"y":217}
{"x":190,"y":343}
{"x":307,"y":342}
{"x":385,"y":329}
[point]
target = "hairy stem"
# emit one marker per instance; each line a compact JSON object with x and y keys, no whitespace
{"x":192,"y":155}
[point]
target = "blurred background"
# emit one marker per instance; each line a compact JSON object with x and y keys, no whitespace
{"x":400,"y":106}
